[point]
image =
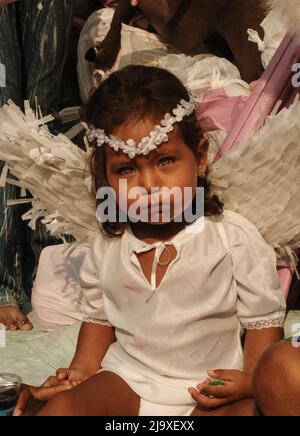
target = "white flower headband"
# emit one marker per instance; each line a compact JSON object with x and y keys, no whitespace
{"x":148,"y":143}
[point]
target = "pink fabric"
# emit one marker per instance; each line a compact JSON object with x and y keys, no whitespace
{"x":217,"y":111}
{"x":286,"y":277}
{"x":56,"y":294}
{"x":270,"y":88}
{"x":275,"y":84}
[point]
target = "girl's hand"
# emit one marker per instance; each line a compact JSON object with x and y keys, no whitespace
{"x":237,"y":386}
{"x":74,"y":376}
{"x":66,"y":379}
{"x":48,"y":389}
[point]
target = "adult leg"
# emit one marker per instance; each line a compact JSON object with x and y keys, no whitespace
{"x":188,"y":32}
{"x":45,"y":33}
{"x":10,"y":224}
{"x":277,"y":380}
{"x":105,"y":55}
{"x":105,"y":394}
{"x":233,"y":23}
{"x":10,"y":55}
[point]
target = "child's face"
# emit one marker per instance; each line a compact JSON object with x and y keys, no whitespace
{"x":172,"y":164}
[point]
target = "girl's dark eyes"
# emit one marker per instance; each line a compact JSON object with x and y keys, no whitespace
{"x":129,"y":170}
{"x":125,"y":170}
{"x":166,"y":160}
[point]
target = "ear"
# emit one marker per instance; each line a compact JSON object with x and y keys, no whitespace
{"x":202,"y":160}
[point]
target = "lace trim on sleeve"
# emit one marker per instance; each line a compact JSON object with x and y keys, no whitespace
{"x":97,"y":321}
{"x":264,"y":324}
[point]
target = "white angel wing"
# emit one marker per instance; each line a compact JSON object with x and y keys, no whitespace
{"x":260,"y":179}
{"x":289,"y":12}
{"x":53,"y":169}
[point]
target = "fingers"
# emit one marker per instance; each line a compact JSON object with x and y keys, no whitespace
{"x":68,"y":375}
{"x":44,"y":394}
{"x":205,"y":402}
{"x":23,"y":399}
{"x":62,"y":374}
{"x":224,"y":374}
{"x":214,"y":391}
{"x":50,"y":388}
{"x":52,"y":381}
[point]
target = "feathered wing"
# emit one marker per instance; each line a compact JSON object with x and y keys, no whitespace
{"x":289,"y":10}
{"x":260,"y":179}
{"x":53,"y":169}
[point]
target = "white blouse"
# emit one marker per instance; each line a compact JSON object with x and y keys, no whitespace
{"x":222,"y":280}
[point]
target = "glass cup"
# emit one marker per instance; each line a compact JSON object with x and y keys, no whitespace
{"x":10,"y":385}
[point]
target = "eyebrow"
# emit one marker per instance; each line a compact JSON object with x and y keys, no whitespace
{"x":167,"y":148}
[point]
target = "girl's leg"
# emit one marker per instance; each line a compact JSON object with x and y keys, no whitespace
{"x":105,"y":394}
{"x":241,"y":408}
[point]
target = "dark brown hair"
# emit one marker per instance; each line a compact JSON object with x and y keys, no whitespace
{"x":137,"y":92}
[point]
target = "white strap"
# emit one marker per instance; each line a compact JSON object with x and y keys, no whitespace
{"x":160,"y":247}
{"x":158,"y":253}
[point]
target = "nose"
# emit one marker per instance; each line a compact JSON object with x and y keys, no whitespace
{"x":149,"y":179}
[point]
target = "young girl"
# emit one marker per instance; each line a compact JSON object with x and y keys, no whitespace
{"x":165,"y":303}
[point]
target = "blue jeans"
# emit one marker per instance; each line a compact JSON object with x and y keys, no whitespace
{"x":33,"y":43}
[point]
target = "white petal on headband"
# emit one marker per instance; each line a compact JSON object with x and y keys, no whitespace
{"x":148,"y":143}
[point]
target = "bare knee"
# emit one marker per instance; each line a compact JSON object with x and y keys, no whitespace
{"x":276,"y":380}
{"x":105,"y":394}
{"x":63,"y":404}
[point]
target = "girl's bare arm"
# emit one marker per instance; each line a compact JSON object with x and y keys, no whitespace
{"x":258,"y":341}
{"x":93,"y":343}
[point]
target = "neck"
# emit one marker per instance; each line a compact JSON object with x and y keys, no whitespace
{"x":151,"y":233}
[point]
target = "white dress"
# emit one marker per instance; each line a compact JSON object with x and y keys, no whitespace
{"x":222,"y":280}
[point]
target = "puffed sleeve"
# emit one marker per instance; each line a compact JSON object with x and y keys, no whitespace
{"x":261,"y":303}
{"x":92,"y":299}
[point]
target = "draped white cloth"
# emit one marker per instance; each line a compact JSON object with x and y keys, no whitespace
{"x":200,"y":73}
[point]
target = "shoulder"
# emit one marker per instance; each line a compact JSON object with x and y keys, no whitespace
{"x":235,"y":220}
{"x":239,"y":230}
{"x":101,"y":244}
